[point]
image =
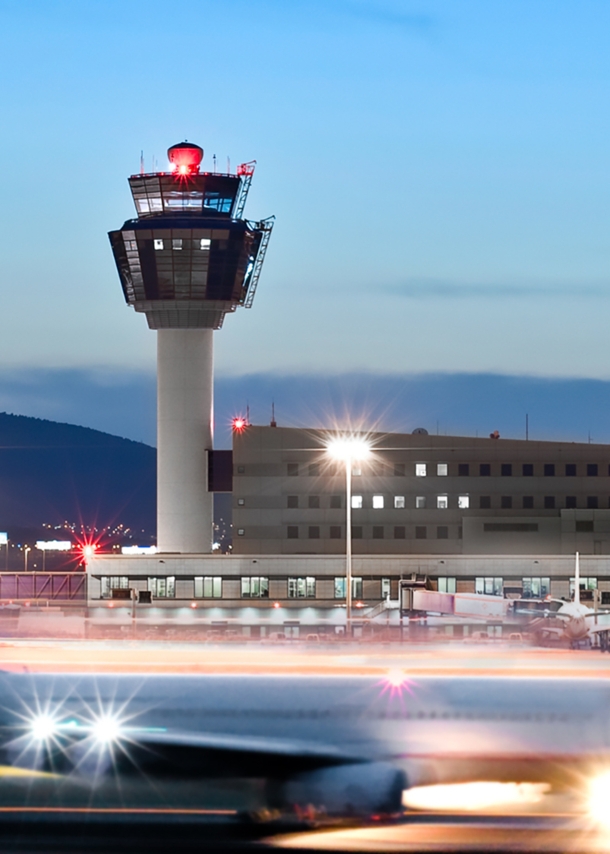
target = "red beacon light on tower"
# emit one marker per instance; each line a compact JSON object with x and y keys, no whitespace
{"x":185,"y":158}
{"x":239,"y":424}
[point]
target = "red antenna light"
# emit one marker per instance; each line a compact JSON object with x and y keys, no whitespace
{"x":239,"y":424}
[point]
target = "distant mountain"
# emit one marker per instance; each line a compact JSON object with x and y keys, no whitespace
{"x":52,"y":473}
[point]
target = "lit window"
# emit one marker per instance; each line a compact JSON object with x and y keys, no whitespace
{"x":356,"y":502}
{"x":240,"y":532}
{"x":356,"y":588}
{"x":255,"y":587}
{"x":441,"y":469}
{"x":489,"y":586}
{"x":177,"y":243}
{"x":399,"y":502}
{"x":204,"y":243}
{"x":420,"y":469}
{"x":340,"y":588}
{"x":536,"y":588}
{"x":302,"y":588}
{"x":208,"y":587}
{"x":420,"y":502}
{"x":356,"y":471}
{"x":442,"y":502}
{"x":378,"y":502}
{"x":158,"y":243}
{"x":162,"y":588}
{"x":240,"y":502}
{"x":446,"y":585}
{"x":113,"y":582}
{"x":385,"y":588}
{"x":463,"y":502}
{"x":585,"y":584}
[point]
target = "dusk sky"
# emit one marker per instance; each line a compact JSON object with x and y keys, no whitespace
{"x":439,"y":172}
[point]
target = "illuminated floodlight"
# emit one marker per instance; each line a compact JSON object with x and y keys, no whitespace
{"x":599,"y":795}
{"x":349,"y":449}
{"x":43,"y":727}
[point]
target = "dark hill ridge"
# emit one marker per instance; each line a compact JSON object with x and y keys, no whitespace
{"x":52,"y":472}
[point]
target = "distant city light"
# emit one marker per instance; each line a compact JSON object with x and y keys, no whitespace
{"x":139,"y":550}
{"x":53,"y":545}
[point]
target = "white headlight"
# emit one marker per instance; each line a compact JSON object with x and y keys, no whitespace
{"x":106,"y":730}
{"x":43,"y":727}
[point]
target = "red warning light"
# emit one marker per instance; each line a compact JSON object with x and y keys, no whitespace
{"x":239,"y":424}
{"x":185,"y":158}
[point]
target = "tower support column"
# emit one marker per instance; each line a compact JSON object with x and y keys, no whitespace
{"x":185,"y":402}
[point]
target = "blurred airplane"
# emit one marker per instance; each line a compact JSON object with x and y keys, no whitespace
{"x":324,"y":746}
{"x":570,"y":621}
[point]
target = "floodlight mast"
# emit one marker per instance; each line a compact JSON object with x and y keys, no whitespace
{"x":185,"y":262}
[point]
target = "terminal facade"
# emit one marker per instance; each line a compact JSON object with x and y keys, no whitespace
{"x":471,"y":515}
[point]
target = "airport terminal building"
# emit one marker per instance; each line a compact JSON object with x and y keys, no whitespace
{"x":472,"y":515}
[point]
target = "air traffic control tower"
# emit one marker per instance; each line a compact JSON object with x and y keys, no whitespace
{"x":186,"y":261}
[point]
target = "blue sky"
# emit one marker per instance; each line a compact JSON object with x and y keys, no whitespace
{"x":439,"y":173}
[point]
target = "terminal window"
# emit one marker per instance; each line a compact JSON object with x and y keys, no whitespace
{"x":314,"y":532}
{"x":399,"y":502}
{"x":485,"y":470}
{"x":442,"y":532}
{"x":292,"y":501}
{"x":313,"y":502}
{"x":162,"y":588}
{"x":549,"y":469}
{"x":293,"y":532}
{"x":240,"y":532}
{"x":442,"y":502}
{"x":208,"y":587}
{"x":158,"y":243}
{"x":592,"y":502}
{"x":463,"y":502}
{"x":420,"y":469}
{"x":399,"y":532}
{"x":292,"y":469}
{"x":177,"y":243}
{"x":335,"y":532}
{"x":506,"y":502}
{"x":385,"y":588}
{"x":536,"y":588}
{"x":255,"y":587}
{"x":528,"y":470}
{"x":446,"y":585}
{"x":113,"y":582}
{"x":591,"y":469}
{"x":570,"y":502}
{"x":463,"y":469}
{"x":335,"y":502}
{"x":378,"y":532}
{"x":485,"y":502}
{"x":378,"y":502}
{"x":442,"y":470}
{"x":341,"y":588}
{"x":585,"y":584}
{"x":302,"y":588}
{"x":528,"y":502}
{"x":549,"y":502}
{"x":314,"y":469}
{"x":357,"y":532}
{"x":489,"y":586}
{"x":420,"y":532}
{"x":241,"y":502}
{"x":420,"y":502}
{"x":356,"y":502}
{"x":570,"y":469}
{"x":356,"y":471}
{"x":506,"y":469}
{"x":399,"y":469}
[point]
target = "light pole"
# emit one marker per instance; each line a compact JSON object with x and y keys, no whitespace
{"x":26,"y":551}
{"x":348,"y":449}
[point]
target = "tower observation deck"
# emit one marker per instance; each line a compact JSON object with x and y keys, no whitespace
{"x":187,"y":260}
